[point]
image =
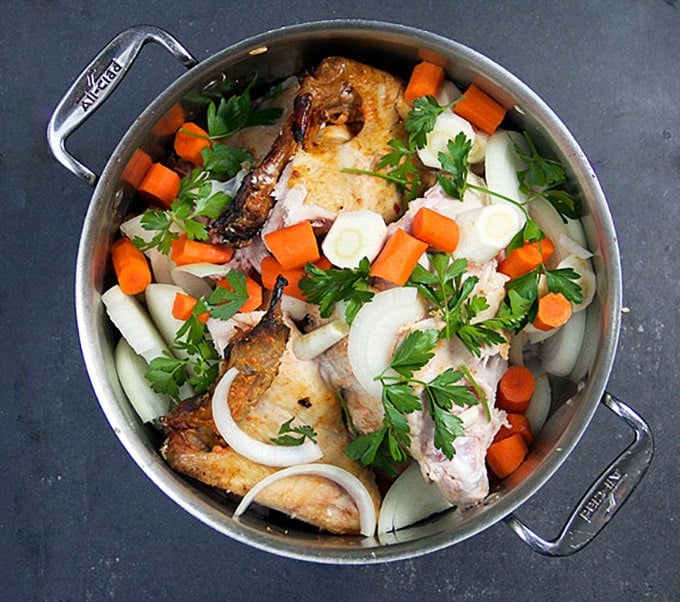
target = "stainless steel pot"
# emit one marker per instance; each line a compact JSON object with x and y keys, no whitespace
{"x":274,"y":56}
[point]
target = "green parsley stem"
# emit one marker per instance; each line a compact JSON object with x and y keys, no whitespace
{"x":500,"y":196}
{"x":475,"y":385}
{"x":377,"y":174}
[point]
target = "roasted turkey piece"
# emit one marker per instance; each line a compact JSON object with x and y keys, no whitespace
{"x":343,"y":116}
{"x":273,"y":385}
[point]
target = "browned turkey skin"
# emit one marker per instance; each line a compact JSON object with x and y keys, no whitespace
{"x":272,"y":385}
{"x":331,"y":108}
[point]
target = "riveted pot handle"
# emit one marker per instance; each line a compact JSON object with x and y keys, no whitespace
{"x":606,"y":495}
{"x":97,"y":81}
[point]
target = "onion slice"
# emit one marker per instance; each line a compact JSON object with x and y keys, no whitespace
{"x":244,"y":444}
{"x":354,"y":487}
{"x":410,"y":499}
{"x":373,"y":334}
{"x":539,"y":406}
{"x":560,"y":352}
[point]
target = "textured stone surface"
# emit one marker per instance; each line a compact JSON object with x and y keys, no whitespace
{"x":78,"y":520}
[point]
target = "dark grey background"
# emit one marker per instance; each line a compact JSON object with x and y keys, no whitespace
{"x":79,"y":521}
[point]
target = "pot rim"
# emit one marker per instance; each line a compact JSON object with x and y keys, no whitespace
{"x":127,"y":428}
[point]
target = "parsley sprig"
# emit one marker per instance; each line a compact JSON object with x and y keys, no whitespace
{"x":402,"y":394}
{"x":328,"y":287}
{"x":240,"y":111}
{"x":199,"y":366}
{"x":546,"y":178}
{"x":451,"y":294}
{"x":195,"y":203}
{"x":305,"y":432}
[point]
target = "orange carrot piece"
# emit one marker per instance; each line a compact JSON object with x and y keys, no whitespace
{"x":160,"y":186}
{"x":170,"y":122}
{"x":518,"y":424}
{"x":436,"y":230}
{"x":515,"y":389}
{"x":185,"y":251}
{"x":137,"y":167}
{"x":270,"y":269}
{"x":554,"y":310}
{"x":505,"y":456}
{"x":426,"y":79}
{"x":190,"y":140}
{"x":131,"y":267}
{"x":254,"y":293}
{"x":521,"y":260}
{"x":480,"y":109}
{"x":183,"y":305}
{"x":398,"y":257}
{"x":293,"y":246}
{"x":546,"y":247}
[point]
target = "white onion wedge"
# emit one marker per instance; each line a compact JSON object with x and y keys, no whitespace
{"x":373,"y":334}
{"x":501,"y":164}
{"x":354,"y":235}
{"x":193,"y":285}
{"x":159,"y":300}
{"x":134,"y":323}
{"x":478,"y":151}
{"x":351,"y":484}
{"x":132,"y":228}
{"x":560,"y":352}
{"x":205,"y":270}
{"x":516,"y":352}
{"x":447,"y":126}
{"x":410,"y":499}
{"x":297,"y":309}
{"x":448,"y":92}
{"x":161,"y":266}
{"x":315,"y":342}
{"x":587,"y":282}
{"x":546,"y":216}
{"x":131,"y":369}
{"x":484,"y":232}
{"x":539,"y":406}
{"x":244,"y":444}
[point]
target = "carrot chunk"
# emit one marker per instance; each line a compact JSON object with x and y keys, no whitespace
{"x":505,"y":456}
{"x":426,"y":79}
{"x":254,"y":293}
{"x":520,"y":261}
{"x":170,"y":122}
{"x":270,"y":269}
{"x":293,"y":246}
{"x":160,"y":186}
{"x":518,"y":424}
{"x":480,"y":109}
{"x":398,"y":257}
{"x":183,"y":305}
{"x":185,"y":251}
{"x":190,"y":140}
{"x":554,"y":310}
{"x":515,"y":389}
{"x":131,"y":267}
{"x":137,"y":167}
{"x":436,"y":230}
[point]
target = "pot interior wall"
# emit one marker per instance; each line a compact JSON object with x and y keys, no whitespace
{"x":274,"y":57}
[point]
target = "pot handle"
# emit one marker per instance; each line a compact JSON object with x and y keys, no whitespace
{"x":606,"y":495}
{"x":97,"y":81}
